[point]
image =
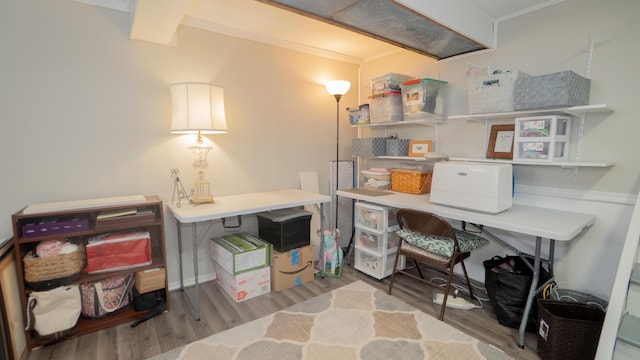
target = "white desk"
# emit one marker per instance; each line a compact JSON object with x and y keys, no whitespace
{"x":554,"y":225}
{"x":235,"y":205}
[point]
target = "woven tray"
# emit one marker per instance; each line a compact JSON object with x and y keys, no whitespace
{"x":411,"y":181}
{"x":64,"y":266}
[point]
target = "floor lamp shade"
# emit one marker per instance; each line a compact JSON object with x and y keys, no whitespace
{"x":197,"y":107}
{"x":337,"y":87}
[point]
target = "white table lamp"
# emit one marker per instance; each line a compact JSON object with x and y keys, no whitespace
{"x":198,"y":108}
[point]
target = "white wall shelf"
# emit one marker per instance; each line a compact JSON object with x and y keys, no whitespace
{"x":429,"y":122}
{"x":579,"y":112}
{"x":576,"y":111}
{"x":563,"y":164}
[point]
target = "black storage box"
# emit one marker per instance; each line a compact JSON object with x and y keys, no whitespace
{"x":286,"y":229}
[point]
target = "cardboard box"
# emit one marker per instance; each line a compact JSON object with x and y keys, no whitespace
{"x":150,"y":280}
{"x":240,"y":252}
{"x":244,"y":286}
{"x":292,"y":268}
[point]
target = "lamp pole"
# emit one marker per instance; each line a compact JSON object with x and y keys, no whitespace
{"x":337,"y":96}
{"x":337,"y":88}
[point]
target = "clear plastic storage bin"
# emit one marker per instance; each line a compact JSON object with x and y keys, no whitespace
{"x":386,"y":107}
{"x":387,"y":82}
{"x":423,"y":98}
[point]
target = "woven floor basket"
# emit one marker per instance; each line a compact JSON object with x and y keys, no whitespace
{"x":568,"y":330}
{"x":41,"y":271}
{"x":411,"y":181}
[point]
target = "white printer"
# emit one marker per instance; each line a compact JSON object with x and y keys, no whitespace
{"x":484,"y":187}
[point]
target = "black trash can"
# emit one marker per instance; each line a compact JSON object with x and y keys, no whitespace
{"x":568,"y":330}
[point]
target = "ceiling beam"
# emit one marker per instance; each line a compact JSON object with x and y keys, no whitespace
{"x":156,"y":20}
{"x":464,"y":16}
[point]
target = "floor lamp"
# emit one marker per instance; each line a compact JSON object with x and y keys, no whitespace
{"x":337,"y":88}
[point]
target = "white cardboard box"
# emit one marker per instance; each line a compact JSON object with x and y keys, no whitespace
{"x":244,"y":286}
{"x":240,"y":252}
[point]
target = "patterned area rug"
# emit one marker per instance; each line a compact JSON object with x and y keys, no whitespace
{"x":355,"y":321}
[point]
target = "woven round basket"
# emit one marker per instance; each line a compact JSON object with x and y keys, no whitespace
{"x":38,"y":270}
{"x":411,"y":181}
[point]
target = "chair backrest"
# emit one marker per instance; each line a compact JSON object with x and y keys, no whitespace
{"x":425,"y":223}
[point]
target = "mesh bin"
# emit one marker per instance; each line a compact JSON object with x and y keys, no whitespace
{"x":568,"y":330}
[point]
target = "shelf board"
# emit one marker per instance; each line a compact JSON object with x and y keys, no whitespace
{"x":630,"y":330}
{"x":574,"y":111}
{"x":563,"y":164}
{"x":411,"y":158}
{"x":403,"y":123}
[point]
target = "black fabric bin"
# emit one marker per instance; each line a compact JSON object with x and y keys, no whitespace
{"x":507,"y":281}
{"x":568,"y":330}
{"x":286,"y":229}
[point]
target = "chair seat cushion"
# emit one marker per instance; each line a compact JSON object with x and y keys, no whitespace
{"x":442,"y":245}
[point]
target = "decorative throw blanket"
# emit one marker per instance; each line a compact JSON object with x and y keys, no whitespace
{"x":355,"y":321}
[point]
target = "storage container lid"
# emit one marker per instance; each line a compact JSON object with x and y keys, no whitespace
{"x":373,"y":172}
{"x":284,"y":214}
{"x":387,"y":93}
{"x":416,"y":81}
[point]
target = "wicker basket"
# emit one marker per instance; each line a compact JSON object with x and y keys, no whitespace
{"x":411,"y":181}
{"x":568,"y":330}
{"x":53,"y":271}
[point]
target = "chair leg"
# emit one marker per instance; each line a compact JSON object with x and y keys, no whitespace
{"x":466,"y":276}
{"x":446,"y":293}
{"x":418,"y":268}
{"x":393,"y":272}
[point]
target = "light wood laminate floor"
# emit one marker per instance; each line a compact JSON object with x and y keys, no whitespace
{"x":219,"y":312}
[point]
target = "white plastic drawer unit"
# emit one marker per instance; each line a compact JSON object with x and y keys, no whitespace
{"x":376,"y":266}
{"x":375,"y":217}
{"x":542,"y":138}
{"x":376,"y":241}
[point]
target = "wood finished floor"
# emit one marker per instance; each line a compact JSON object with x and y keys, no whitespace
{"x":219,"y":312}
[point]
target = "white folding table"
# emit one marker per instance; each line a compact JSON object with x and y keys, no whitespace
{"x":235,"y":206}
{"x":555,"y":225}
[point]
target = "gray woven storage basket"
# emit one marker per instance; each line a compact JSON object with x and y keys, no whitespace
{"x":397,"y":147}
{"x":561,"y":89}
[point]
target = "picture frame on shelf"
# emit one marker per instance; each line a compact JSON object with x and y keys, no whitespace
{"x":417,"y":148}
{"x":501,"y":142}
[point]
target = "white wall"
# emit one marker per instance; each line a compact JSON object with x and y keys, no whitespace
{"x":86,"y":112}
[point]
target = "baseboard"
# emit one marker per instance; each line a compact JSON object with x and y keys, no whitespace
{"x":175,"y":285}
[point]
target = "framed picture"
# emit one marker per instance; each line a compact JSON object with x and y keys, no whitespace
{"x":418,"y":148}
{"x":501,"y":142}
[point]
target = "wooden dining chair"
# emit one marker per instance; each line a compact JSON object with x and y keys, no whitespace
{"x":430,"y":240}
